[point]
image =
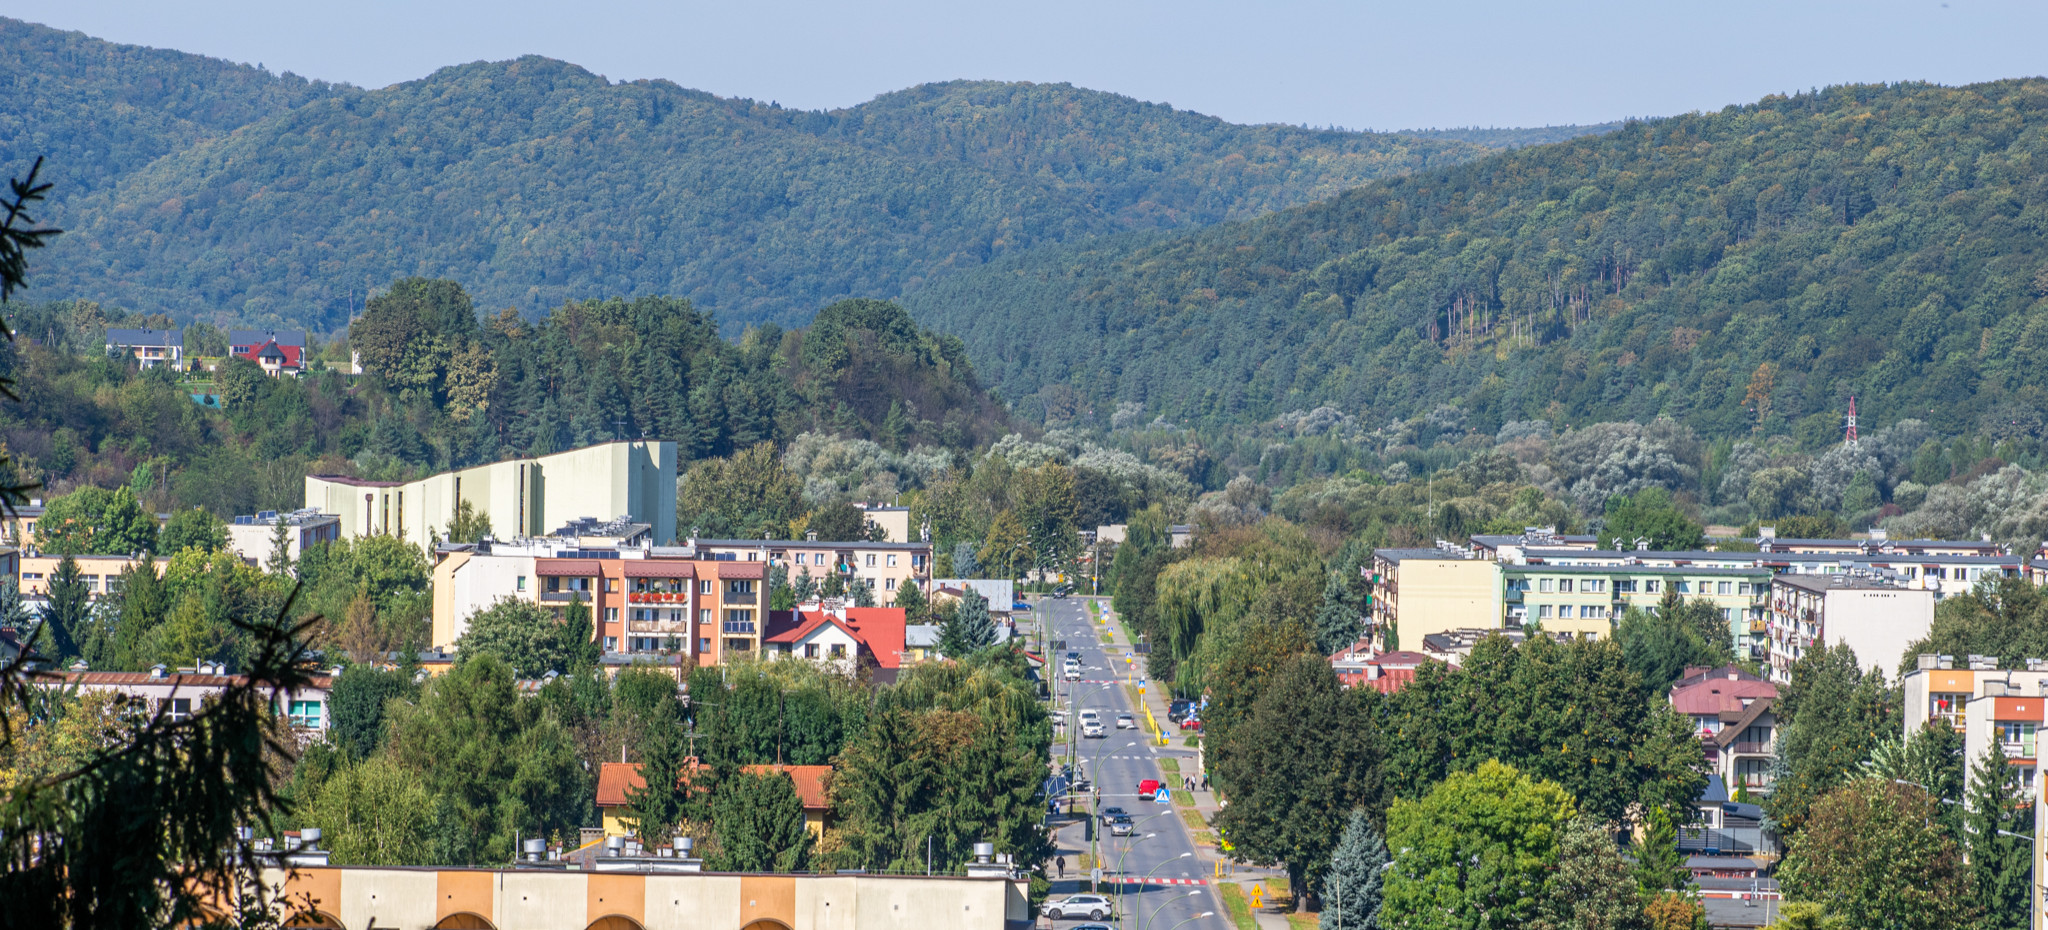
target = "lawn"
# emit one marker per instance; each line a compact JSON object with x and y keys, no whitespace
{"x":1240,"y":909}
{"x":1170,"y":766}
{"x":1183,"y":798}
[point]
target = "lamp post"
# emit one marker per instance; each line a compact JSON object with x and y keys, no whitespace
{"x":1163,"y":905}
{"x":1202,"y":915}
{"x":1094,"y":824}
{"x":1148,"y":877}
{"x":1128,"y":841}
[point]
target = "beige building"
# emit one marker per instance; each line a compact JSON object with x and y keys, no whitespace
{"x":101,"y":573}
{"x":252,"y":537}
{"x":1418,"y":592}
{"x":634,"y":479}
{"x":895,"y":521}
{"x":1875,"y":617}
{"x":654,"y":893}
{"x":881,"y":566}
{"x":1940,"y":688}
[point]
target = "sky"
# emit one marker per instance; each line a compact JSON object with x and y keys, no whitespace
{"x":1358,"y":65}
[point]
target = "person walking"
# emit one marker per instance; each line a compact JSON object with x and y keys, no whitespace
{"x":1062,"y":863}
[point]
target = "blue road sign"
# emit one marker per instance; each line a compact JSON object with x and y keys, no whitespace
{"x":1161,"y":796}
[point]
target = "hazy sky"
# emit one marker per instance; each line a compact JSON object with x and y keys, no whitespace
{"x":1360,"y":65}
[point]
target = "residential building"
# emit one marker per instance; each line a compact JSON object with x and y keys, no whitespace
{"x":847,"y":638}
{"x":920,"y":643}
{"x":1111,"y":534}
{"x":101,"y":573}
{"x":881,"y":566}
{"x":1507,"y":548}
{"x":1180,"y":536}
{"x":280,"y":352}
{"x":13,"y":641}
{"x":1938,"y":690}
{"x":1586,"y":599}
{"x":1360,"y":666}
{"x":1878,"y":544}
{"x":182,"y":692}
{"x":520,"y":497}
{"x":1873,"y":615}
{"x":2011,"y":723}
{"x":627,"y":893}
{"x":1731,"y":710}
{"x":21,"y":523}
{"x":616,"y":781}
{"x":148,"y":347}
{"x":894,"y":521}
{"x":254,"y":537}
{"x":1001,"y":594}
{"x":1419,"y":592}
{"x":1451,"y":647}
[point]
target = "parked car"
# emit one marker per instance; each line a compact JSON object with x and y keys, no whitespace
{"x":1191,"y":723}
{"x":1126,"y":722}
{"x":1095,"y":906}
{"x":1178,"y":709}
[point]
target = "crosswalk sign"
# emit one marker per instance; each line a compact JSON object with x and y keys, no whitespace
{"x":1162,"y":796}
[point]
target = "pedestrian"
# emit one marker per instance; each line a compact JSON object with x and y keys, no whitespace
{"x":1062,"y":862}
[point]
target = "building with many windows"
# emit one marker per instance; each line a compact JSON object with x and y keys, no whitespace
{"x":1732,"y":711}
{"x":1875,"y":616}
{"x":2011,"y":724}
{"x":1587,"y":599}
{"x":101,"y":573}
{"x":148,"y":347}
{"x":1939,"y":689}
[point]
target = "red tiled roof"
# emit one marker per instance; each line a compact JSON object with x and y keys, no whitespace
{"x":1710,"y":696}
{"x":742,"y":569}
{"x":660,"y":568}
{"x":882,"y":629}
{"x":616,"y":780}
{"x":572,"y":567}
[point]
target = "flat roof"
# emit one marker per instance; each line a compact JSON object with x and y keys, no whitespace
{"x":1625,"y":569}
{"x":810,"y":543}
{"x":1840,"y":582}
{"x":1396,"y":555}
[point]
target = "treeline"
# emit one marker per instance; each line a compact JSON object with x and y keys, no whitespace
{"x":1743,"y":272}
{"x":536,"y":182}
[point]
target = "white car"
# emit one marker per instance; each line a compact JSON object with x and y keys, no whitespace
{"x":1073,"y":673}
{"x":1088,"y":715}
{"x":1092,"y":729}
{"x":1126,"y":722}
{"x":1092,"y":906}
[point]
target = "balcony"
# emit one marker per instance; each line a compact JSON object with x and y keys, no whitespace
{"x":563,"y":597}
{"x":739,"y":627}
{"x":1750,"y":748}
{"x":2020,"y":750}
{"x":741,"y":600}
{"x":659,"y":627}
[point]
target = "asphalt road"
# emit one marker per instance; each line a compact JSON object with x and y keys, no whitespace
{"x":1116,"y":763}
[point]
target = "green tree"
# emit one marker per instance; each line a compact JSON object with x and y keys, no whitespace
{"x":911,"y":598}
{"x":1653,"y":515}
{"x":1659,"y":866}
{"x":656,"y":806}
{"x":357,"y":706}
{"x":1931,"y":757}
{"x":1660,"y":645}
{"x":1357,"y":878}
{"x":468,"y":524}
{"x":839,"y":521}
{"x":863,"y":593}
{"x":520,"y":634}
{"x":280,"y":562}
{"x":68,"y":611}
{"x":1295,"y":769}
{"x":14,"y":613}
{"x":748,"y":496}
{"x":93,"y":521}
{"x":1872,"y":854}
{"x":190,"y":527}
{"x":1830,"y":716}
{"x":1004,"y":553}
{"x":2000,"y":842}
{"x":580,"y":648}
{"x":1590,"y":889}
{"x":805,"y":589}
{"x":374,"y":812}
{"x":760,"y":823}
{"x":1475,"y":852}
{"x":145,"y":603}
{"x":1049,"y":514}
{"x":969,"y":630}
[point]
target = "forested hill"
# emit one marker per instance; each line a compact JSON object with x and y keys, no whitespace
{"x":1514,"y":138}
{"x":1764,"y":261}
{"x":99,"y":110}
{"x":534,"y":182}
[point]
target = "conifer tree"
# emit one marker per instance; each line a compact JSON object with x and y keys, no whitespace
{"x":1357,"y":876}
{"x":970,"y":629}
{"x":1590,"y":889}
{"x":911,"y":598}
{"x":68,"y":611}
{"x":1659,"y":867}
{"x":656,"y":806}
{"x":863,"y":594}
{"x":2001,"y":828}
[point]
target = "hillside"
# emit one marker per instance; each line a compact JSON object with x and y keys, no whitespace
{"x":1514,"y":137}
{"x":534,"y":182}
{"x":1737,"y":270}
{"x":99,"y":110}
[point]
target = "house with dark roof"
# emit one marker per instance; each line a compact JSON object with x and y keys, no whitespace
{"x":148,"y":347}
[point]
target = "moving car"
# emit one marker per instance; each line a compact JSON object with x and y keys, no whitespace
{"x":1092,"y":729}
{"x":1073,"y":673}
{"x":1149,"y":787}
{"x":1090,"y":714}
{"x":1111,"y":813}
{"x":1126,"y":722}
{"x":1121,"y":825}
{"x":1095,"y":906}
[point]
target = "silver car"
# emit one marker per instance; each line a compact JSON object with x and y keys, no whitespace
{"x":1093,"y":906}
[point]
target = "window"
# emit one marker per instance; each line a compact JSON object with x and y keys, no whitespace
{"x":1724,"y":587}
{"x":1546,"y":585}
{"x":1593,"y":585}
{"x":611,"y":615}
{"x":1684,"y":586}
{"x":892,"y":560}
{"x":306,"y":715}
{"x":838,"y":650}
{"x":553,"y":586}
{"x":1653,"y":586}
{"x":704,"y":586}
{"x":611,"y":644}
{"x":738,"y":645}
{"x":704,"y":615}
{"x":181,"y":709}
{"x":1592,"y":612}
{"x":1564,"y":585}
{"x":802,"y":558}
{"x":611,"y":585}
{"x":744,"y":586}
{"x":1625,"y":587}
{"x":871,"y":560}
{"x":522,"y":582}
{"x":92,"y":582}
{"x":810,"y":650}
{"x":1543,"y":611}
{"x":703,"y":644}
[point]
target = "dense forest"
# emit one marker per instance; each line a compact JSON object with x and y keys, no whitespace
{"x":1743,"y":272}
{"x":535,"y":182}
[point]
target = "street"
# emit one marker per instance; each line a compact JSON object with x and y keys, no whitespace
{"x":1164,"y":883}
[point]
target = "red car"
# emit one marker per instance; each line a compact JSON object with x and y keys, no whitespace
{"x":1149,"y":787}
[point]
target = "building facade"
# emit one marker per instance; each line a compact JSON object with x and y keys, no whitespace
{"x":632,"y":479}
{"x":253,"y":537}
{"x":1732,"y":712}
{"x":101,"y":573}
{"x":1874,"y":616}
{"x":1419,"y":592}
{"x":148,"y":347}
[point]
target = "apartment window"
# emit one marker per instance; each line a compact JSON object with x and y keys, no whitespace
{"x":642,"y":614}
{"x":1624,"y":587}
{"x":892,"y":560}
{"x":1594,"y":585}
{"x":1592,"y":612}
{"x":1543,"y":611}
{"x":871,"y":560}
{"x":738,"y":645}
{"x":611,"y":585}
{"x":181,"y":709}
{"x":611,"y":615}
{"x":2018,"y":737}
{"x":611,"y":644}
{"x":754,"y":556}
{"x":1653,"y":586}
{"x":554,"y":585}
{"x":739,"y":621}
{"x":704,"y":615}
{"x":1684,"y":586}
{"x":1564,"y":585}
{"x":745,"y":586}
{"x":802,"y":558}
{"x":703,"y":644}
{"x":1546,"y":585}
{"x":1724,"y":587}
{"x":306,"y":715}
{"x":522,"y":583}
{"x":704,"y":586}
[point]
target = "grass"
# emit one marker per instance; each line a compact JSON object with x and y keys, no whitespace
{"x":1190,"y":742}
{"x":1193,"y":818}
{"x":1183,"y":798}
{"x":1239,"y":908}
{"x":1304,"y":921}
{"x":1170,"y":766}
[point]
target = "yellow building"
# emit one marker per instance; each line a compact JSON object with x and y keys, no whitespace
{"x":1425,"y":591}
{"x":635,"y":479}
{"x":616,"y":781}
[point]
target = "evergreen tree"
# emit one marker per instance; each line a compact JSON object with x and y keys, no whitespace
{"x":1829,"y":718}
{"x":144,"y":604}
{"x":1590,"y":889}
{"x":581,"y":650}
{"x":14,"y":613}
{"x":910,"y":597}
{"x":1659,"y":866}
{"x":970,"y":629}
{"x":760,"y":824}
{"x":863,"y":593}
{"x":834,"y":585}
{"x":1357,"y":876}
{"x":2000,"y":837}
{"x":806,"y":588}
{"x":656,"y":806}
{"x":1338,"y":623}
{"x":280,"y":564}
{"x":68,"y":611}
{"x":780,"y":595}
{"x":966,"y":564}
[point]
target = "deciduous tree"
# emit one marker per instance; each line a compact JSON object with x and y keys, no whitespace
{"x":1872,"y":854}
{"x":1475,"y":852}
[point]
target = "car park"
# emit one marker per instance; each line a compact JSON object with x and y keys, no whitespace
{"x":1092,"y":906}
{"x":1126,"y":722}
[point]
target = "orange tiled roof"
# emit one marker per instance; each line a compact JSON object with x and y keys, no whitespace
{"x":616,"y":780}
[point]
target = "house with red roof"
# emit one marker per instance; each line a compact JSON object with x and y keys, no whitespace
{"x":851,"y":638}
{"x":280,"y":351}
{"x":616,"y":781}
{"x":1360,"y":666}
{"x":1732,"y":711}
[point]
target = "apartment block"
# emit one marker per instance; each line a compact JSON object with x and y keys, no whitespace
{"x":2011,"y":724}
{"x":1732,"y":711}
{"x":1875,"y":616}
{"x":1418,"y":592}
{"x":523,"y":497}
{"x":1940,"y":689}
{"x":881,"y":567}
{"x":101,"y":573}
{"x":1586,"y":599}
{"x":254,"y":536}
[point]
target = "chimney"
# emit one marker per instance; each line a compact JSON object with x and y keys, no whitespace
{"x":984,"y":852}
{"x":309,"y":838}
{"x":1926,"y":662}
{"x":536,"y":849}
{"x":1945,"y":663}
{"x":614,"y":846}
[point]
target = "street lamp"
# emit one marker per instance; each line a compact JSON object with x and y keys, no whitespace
{"x":1094,"y":833}
{"x":1129,"y":842}
{"x":1148,"y":877}
{"x":1202,"y":916}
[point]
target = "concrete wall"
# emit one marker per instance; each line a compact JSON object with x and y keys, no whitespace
{"x":557,"y":899}
{"x":1437,"y":595}
{"x":1878,"y":624}
{"x":522,"y":497}
{"x":465,"y":584}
